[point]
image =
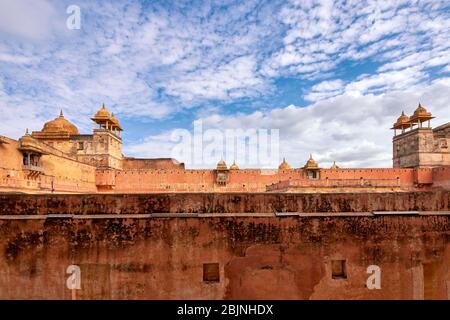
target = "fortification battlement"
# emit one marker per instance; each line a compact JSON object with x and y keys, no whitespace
{"x":58,"y":159}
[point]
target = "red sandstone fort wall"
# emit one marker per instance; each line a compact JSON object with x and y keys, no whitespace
{"x":244,"y":180}
{"x":441,"y":177}
{"x":201,"y":203}
{"x":258,"y":257}
{"x":163,"y":180}
{"x":406,"y":176}
{"x":63,"y":174}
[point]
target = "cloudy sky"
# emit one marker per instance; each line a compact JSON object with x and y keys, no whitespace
{"x":332,"y":76}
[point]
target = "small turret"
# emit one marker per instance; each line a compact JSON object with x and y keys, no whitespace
{"x":311,"y":168}
{"x":234,"y":166}
{"x":284,"y":165}
{"x":421,"y":115}
{"x":222,"y":166}
{"x":334,"y":166}
{"x":106,"y":120}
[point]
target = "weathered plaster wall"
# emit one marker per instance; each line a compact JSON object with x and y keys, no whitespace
{"x":61,"y":173}
{"x":223,"y":203}
{"x":258,"y":257}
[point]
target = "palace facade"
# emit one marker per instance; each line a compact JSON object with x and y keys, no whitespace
{"x":58,"y":159}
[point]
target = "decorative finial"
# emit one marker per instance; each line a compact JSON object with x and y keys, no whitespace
{"x":403,"y":112}
{"x":334,"y":166}
{"x":310,"y":156}
{"x":26,"y":132}
{"x":103,"y":105}
{"x":61,"y":115}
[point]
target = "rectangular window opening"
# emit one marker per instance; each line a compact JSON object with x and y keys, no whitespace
{"x":211,"y":272}
{"x":338,"y":269}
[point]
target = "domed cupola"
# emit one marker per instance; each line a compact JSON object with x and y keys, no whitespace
{"x":421,"y":115}
{"x":311,"y":168}
{"x":102,"y":113}
{"x":284,"y":165}
{"x":107,"y":120}
{"x":334,"y":166}
{"x":402,"y":122}
{"x":60,"y":125}
{"x":221,"y":165}
{"x":234,"y":166}
{"x":311,"y":163}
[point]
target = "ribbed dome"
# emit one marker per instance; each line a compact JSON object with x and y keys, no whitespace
{"x":421,"y":112}
{"x":60,"y":124}
{"x":221,"y":165}
{"x":284,"y":165}
{"x":102,"y":113}
{"x":234,"y":166}
{"x":311,"y":163}
{"x":114,"y":119}
{"x":334,"y":166}
{"x":420,"y":115}
{"x":402,"y":119}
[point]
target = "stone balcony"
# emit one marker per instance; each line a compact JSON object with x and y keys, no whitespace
{"x":33,"y":168}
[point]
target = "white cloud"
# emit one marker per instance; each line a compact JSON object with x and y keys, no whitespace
{"x":149,"y":61}
{"x":234,"y":79}
{"x":392,"y":80}
{"x":325,"y":89}
{"x":352,"y":130}
{"x":156,"y":146}
{"x":322,"y":34}
{"x":27,"y":19}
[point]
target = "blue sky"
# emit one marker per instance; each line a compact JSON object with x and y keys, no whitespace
{"x":331,"y":75}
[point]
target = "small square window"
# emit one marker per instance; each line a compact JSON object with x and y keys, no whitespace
{"x":338,"y":269}
{"x":211,"y":272}
{"x":80,"y":145}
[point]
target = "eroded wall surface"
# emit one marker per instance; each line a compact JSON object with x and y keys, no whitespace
{"x":17,"y":204}
{"x":122,"y":255}
{"x":258,"y":257}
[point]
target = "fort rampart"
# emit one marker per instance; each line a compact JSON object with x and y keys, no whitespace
{"x":226,"y":246}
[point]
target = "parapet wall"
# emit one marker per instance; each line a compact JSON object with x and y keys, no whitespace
{"x":223,"y":203}
{"x":252,"y":256}
{"x":256,"y":180}
{"x":245,"y":180}
{"x":441,"y":177}
{"x":126,"y":250}
{"x":145,"y":164}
